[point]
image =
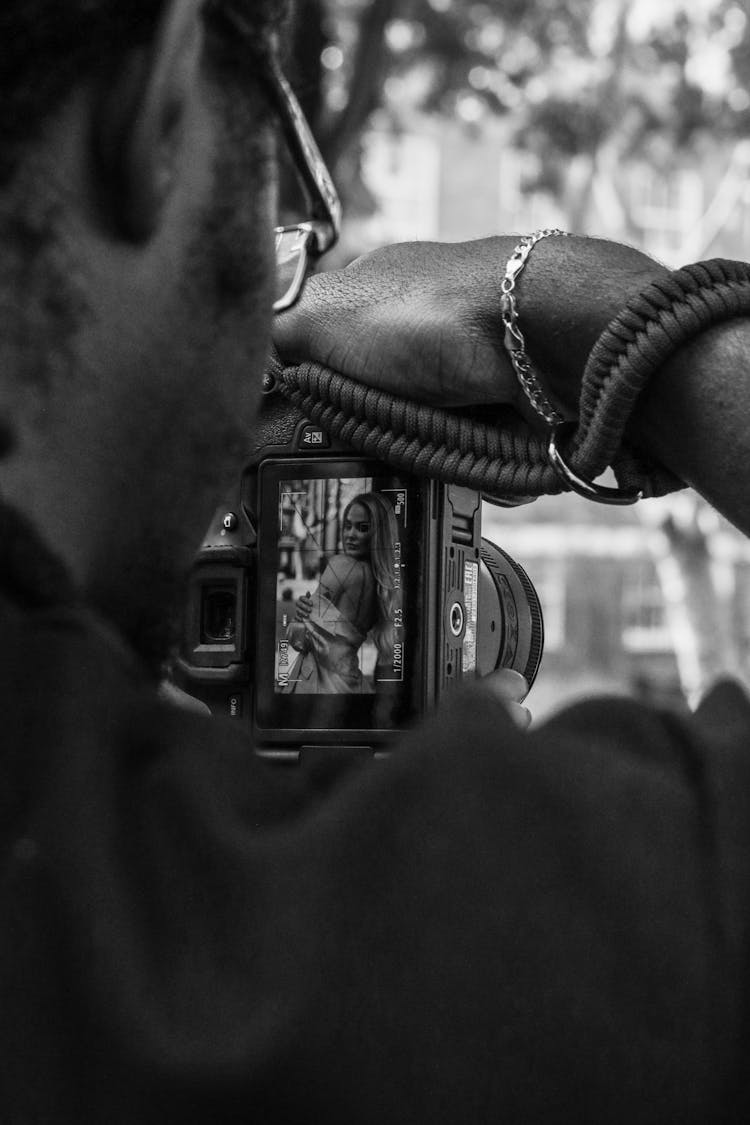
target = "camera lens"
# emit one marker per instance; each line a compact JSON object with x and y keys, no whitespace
{"x":510,"y":631}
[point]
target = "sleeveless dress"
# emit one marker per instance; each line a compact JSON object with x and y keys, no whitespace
{"x":329,"y":640}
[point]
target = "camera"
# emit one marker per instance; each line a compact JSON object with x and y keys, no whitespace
{"x":335,"y":600}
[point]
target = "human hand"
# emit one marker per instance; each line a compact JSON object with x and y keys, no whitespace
{"x":510,"y":688}
{"x":423,"y":320}
{"x":420,"y":315}
{"x":170,"y":693}
{"x":304,"y":607}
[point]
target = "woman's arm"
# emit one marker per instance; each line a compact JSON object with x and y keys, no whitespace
{"x":330,"y":585}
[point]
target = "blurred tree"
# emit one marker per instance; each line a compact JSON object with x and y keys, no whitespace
{"x":348,"y":37}
{"x":584,"y":86}
{"x":699,"y":590}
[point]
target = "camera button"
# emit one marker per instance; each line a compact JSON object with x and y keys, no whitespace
{"x":312,"y":437}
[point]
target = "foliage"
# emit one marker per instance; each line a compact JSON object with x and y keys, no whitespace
{"x":576,"y":80}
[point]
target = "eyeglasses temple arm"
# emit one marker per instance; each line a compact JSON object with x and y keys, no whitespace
{"x":324,"y":198}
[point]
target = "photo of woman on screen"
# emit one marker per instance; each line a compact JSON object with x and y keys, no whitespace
{"x":358,"y":596}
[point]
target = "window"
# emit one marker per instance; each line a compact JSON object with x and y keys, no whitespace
{"x":644,"y":622}
{"x":548,"y":577}
{"x":666,"y":206}
{"x":402,"y":170}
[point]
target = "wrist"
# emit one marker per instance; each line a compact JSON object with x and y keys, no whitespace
{"x":569,"y":292}
{"x":656,"y":363}
{"x":514,"y":339}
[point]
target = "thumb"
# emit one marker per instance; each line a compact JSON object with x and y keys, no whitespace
{"x":509,"y":688}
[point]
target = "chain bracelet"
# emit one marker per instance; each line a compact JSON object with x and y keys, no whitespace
{"x":514,"y":341}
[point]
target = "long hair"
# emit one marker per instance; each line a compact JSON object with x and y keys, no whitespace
{"x":383,"y":563}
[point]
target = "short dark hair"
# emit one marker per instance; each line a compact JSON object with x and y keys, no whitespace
{"x":46,"y":46}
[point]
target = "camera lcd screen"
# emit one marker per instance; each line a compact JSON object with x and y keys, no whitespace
{"x":338,"y":645}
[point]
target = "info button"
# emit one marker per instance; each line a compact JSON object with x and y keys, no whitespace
{"x":312,"y":437}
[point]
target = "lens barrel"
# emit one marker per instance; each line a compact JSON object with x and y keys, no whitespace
{"x":510,"y":631}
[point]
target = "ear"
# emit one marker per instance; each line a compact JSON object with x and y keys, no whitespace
{"x":138,"y":125}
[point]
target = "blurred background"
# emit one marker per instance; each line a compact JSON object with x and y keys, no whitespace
{"x":451,"y":120}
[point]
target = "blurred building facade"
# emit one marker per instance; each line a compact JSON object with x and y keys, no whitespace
{"x":449,"y":181}
{"x":632,"y":603}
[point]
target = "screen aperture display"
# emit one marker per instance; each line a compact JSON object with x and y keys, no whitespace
{"x":341,"y":647}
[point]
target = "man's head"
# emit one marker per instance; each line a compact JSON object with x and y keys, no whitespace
{"x":136,"y":279}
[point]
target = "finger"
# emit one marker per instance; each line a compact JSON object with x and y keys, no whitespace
{"x":507,"y":685}
{"x":520,"y":715}
{"x":170,"y":693}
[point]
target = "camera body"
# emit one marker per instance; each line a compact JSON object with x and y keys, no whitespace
{"x":335,"y":600}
